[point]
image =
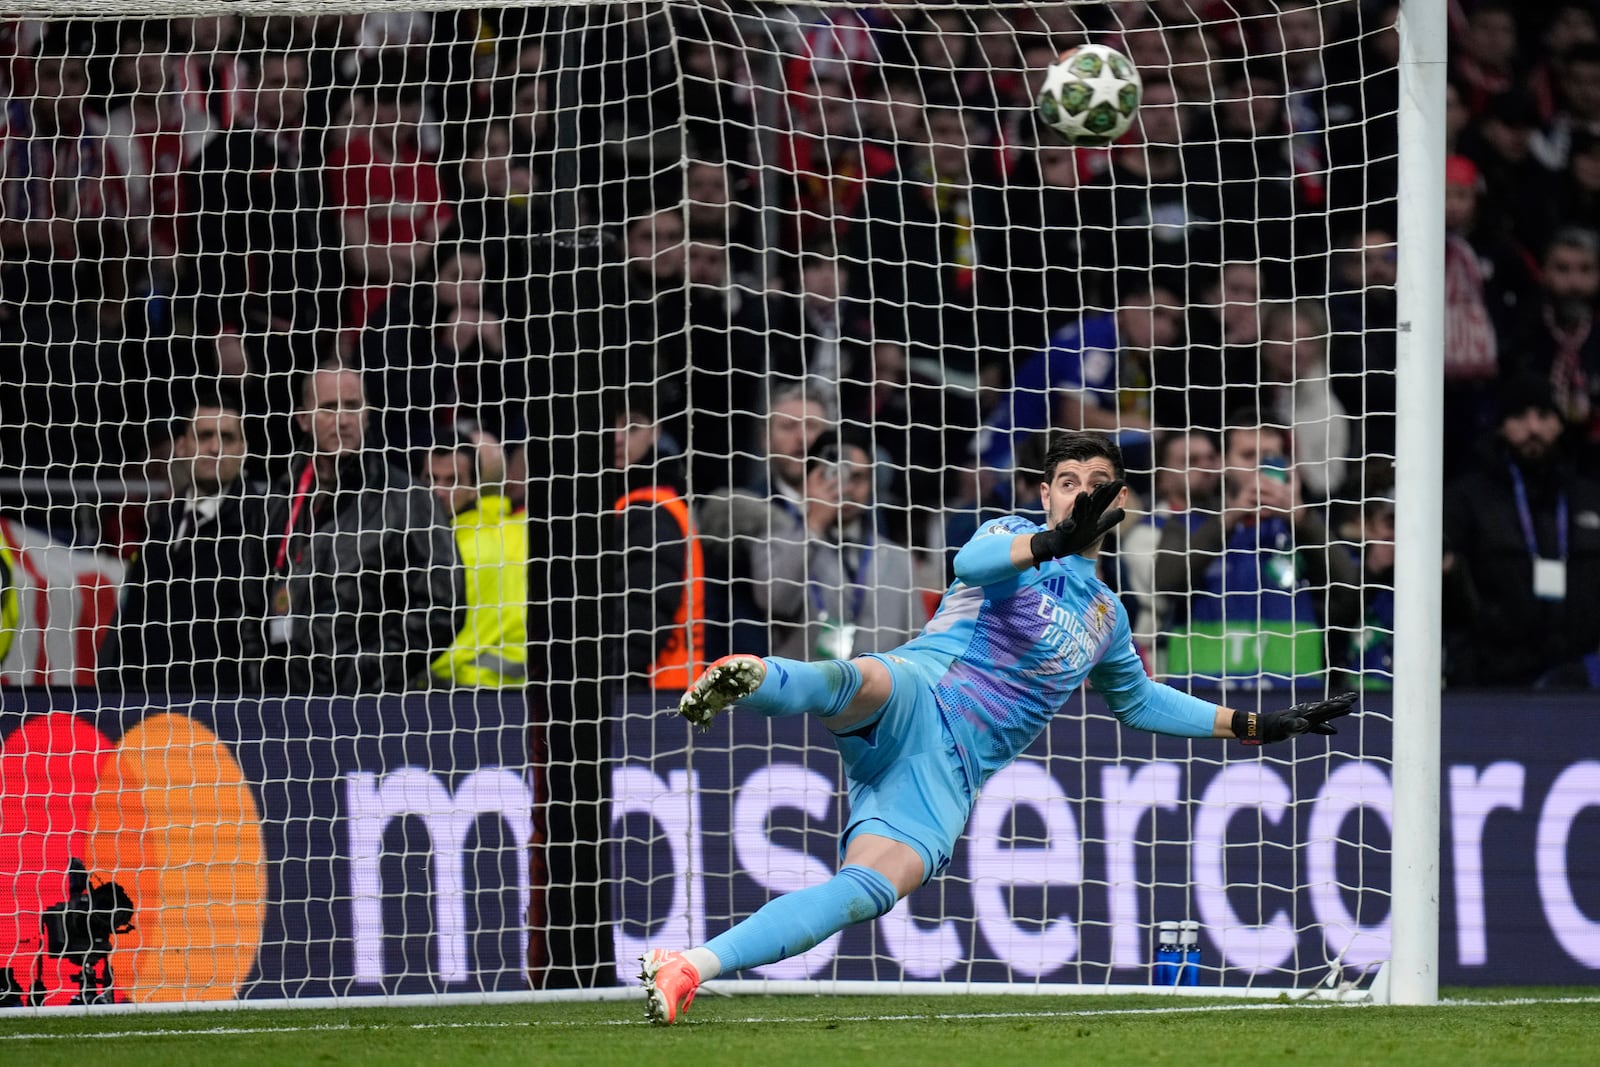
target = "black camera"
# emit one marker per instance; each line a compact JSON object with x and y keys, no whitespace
{"x":79,"y":930}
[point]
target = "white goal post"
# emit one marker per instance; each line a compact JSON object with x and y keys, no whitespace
{"x":657,"y":253}
{"x":1419,"y":492}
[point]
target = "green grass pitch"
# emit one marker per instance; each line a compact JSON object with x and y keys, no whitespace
{"x":1545,"y":1027}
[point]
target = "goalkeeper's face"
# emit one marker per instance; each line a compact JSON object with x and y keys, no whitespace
{"x":1073,"y":476}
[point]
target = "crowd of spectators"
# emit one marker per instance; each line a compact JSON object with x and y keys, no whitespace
{"x":823,"y":281}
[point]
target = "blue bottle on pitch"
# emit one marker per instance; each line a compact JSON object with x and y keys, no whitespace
{"x":1189,"y":952}
{"x":1168,"y":956}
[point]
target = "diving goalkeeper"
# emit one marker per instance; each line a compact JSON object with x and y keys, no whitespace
{"x":920,"y":729}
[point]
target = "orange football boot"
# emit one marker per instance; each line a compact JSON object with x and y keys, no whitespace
{"x":670,"y":983}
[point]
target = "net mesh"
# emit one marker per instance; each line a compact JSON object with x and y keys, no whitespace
{"x":450,"y":375}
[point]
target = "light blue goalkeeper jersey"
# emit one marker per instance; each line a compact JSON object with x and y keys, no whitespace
{"x":1006,"y":649}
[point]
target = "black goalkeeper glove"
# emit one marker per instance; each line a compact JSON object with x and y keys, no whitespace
{"x":1312,"y":717}
{"x":1088,"y":522}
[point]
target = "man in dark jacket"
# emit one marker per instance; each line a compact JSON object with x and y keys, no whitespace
{"x":367,"y":586}
{"x":192,"y":601}
{"x":1522,"y":551}
{"x":659,"y":614}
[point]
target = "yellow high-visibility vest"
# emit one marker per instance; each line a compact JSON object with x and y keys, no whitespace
{"x":491,"y":651}
{"x":10,"y":599}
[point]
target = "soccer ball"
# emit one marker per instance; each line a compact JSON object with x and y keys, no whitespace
{"x":1090,"y":94}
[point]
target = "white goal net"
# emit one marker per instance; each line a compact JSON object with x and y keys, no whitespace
{"x":400,"y":403}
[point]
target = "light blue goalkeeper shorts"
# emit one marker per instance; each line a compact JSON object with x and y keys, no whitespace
{"x":906,"y":781}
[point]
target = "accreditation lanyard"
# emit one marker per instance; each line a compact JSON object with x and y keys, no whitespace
{"x":296,"y":506}
{"x":1526,"y":516}
{"x":789,"y":506}
{"x":815,"y":588}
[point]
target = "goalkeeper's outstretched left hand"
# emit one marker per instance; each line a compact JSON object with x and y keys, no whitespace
{"x":1312,"y":717}
{"x":1092,"y":518}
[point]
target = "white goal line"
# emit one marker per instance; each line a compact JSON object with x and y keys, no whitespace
{"x":232,"y":1031}
{"x":760,"y":987}
{"x":721,"y":987}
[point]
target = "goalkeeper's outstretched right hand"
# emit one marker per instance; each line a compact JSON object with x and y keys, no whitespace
{"x":1312,"y":717}
{"x":1088,"y":522}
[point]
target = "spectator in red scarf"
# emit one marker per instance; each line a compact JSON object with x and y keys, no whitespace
{"x":1559,"y":342}
{"x":1470,"y":350}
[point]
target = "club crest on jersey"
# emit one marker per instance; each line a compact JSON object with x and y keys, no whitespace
{"x":1102,"y":614}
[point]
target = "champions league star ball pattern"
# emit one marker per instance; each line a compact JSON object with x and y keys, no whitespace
{"x":1090,"y":95}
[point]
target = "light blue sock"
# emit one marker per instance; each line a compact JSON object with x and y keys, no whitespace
{"x":793,"y":687}
{"x":801,"y":920}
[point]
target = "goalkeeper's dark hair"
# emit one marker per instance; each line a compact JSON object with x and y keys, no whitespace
{"x":1081,"y":445}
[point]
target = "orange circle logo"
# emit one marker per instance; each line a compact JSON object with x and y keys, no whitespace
{"x":176,"y":825}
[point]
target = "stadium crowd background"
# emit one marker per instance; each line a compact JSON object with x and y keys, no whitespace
{"x":825,"y":254}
